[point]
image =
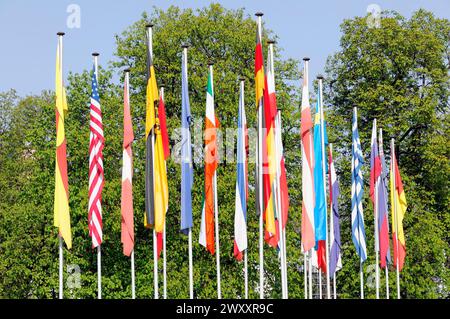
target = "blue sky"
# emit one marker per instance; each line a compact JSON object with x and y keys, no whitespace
{"x":28,"y":31}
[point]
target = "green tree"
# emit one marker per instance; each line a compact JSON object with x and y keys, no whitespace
{"x":399,"y":74}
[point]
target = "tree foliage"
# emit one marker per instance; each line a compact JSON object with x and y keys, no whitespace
{"x":397,"y":73}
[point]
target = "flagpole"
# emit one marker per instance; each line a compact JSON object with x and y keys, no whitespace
{"x":386,"y":268}
{"x":155,"y":241}
{"x":260,"y":191}
{"x":164,"y":230}
{"x":242,"y":80}
{"x":99,"y":253}
{"x":133,"y":288}
{"x":320,"y":282}
{"x":331,"y":230}
{"x":216,"y":211}
{"x":191,"y":275}
{"x":395,"y":215}
{"x":377,"y":246}
{"x":282,"y":220}
{"x":361,"y":276}
{"x":60,"y":248}
{"x":305,"y":276}
{"x":310,"y":273}
{"x":278,"y":195}
{"x":322,"y":124}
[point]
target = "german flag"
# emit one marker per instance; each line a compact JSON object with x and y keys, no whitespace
{"x":150,"y":141}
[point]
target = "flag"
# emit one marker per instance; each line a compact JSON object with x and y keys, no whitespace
{"x":308,"y":237}
{"x":320,"y":209}
{"x":240,"y":215}
{"x":280,"y":164}
{"x":96,"y":175}
{"x":382,"y":246}
{"x":358,"y":232}
{"x":384,"y":219}
{"x":163,"y":135}
{"x":61,"y":215}
{"x":150,"y":141}
{"x":335,"y":229}
{"x":269,"y":164}
{"x":126,"y":207}
{"x":398,"y":210}
{"x":187,"y":173}
{"x":211,"y":162}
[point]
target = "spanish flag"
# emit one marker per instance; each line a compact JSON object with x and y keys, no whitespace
{"x":398,"y":210}
{"x":61,"y":202}
{"x":267,"y":147}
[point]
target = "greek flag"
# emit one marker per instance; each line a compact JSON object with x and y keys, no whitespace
{"x":358,"y":233}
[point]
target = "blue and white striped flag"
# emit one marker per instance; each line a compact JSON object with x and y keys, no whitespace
{"x":358,"y":233}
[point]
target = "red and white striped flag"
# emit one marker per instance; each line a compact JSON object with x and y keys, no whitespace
{"x":96,"y":177}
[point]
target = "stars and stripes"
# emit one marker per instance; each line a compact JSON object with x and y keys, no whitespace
{"x":96,"y":175}
{"x":358,"y":232}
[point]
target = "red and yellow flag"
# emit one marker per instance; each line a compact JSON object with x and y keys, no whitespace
{"x":61,"y":213}
{"x":268,"y":143}
{"x":398,"y":210}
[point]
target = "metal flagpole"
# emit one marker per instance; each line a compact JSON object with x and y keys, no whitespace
{"x":331,"y":230}
{"x":310,"y":273}
{"x":133,"y":287}
{"x":155,"y":240}
{"x":99,"y":253}
{"x":386,"y":269}
{"x":377,"y":245}
{"x":61,"y":252}
{"x":361,"y":278}
{"x":260,"y":186}
{"x":278,"y":190}
{"x":322,"y":124}
{"x":216,"y":212}
{"x":319,"y":273}
{"x":191,"y":276}
{"x":334,"y":285}
{"x":305,"y":275}
{"x":164,"y":231}
{"x":242,"y":79}
{"x":282,"y":221}
{"x":395,"y":215}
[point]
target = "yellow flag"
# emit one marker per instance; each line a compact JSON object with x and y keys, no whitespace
{"x":61,"y":201}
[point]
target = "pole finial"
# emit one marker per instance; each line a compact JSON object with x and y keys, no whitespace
{"x":306,"y":58}
{"x":241,"y":78}
{"x":319,"y":77}
{"x":95,"y":54}
{"x":210,"y":62}
{"x":185,"y":45}
{"x":259,"y":14}
{"x":270,"y":41}
{"x":60,"y":34}
{"x":127,"y":70}
{"x":149,"y":25}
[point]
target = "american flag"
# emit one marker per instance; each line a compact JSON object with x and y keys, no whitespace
{"x":358,"y":232}
{"x":96,"y":177}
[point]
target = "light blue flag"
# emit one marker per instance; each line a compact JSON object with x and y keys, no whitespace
{"x":187,"y":173}
{"x":320,"y":210}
